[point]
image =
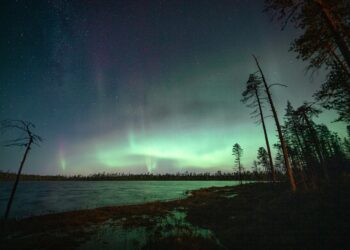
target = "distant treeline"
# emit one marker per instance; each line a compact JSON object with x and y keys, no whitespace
{"x":246,"y":175}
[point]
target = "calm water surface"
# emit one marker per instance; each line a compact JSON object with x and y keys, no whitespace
{"x":42,"y":197}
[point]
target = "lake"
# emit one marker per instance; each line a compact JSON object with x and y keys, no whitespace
{"x":43,"y":197}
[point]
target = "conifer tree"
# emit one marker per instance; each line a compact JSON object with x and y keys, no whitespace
{"x":253,"y":92}
{"x":237,"y":152}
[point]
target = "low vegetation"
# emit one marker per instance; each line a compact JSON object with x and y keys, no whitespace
{"x":251,"y":216}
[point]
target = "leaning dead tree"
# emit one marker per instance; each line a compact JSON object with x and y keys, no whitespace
{"x":25,"y":139}
{"x":252,"y":91}
{"x":279,"y":130}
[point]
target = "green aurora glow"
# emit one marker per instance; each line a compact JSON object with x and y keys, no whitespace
{"x":151,"y":89}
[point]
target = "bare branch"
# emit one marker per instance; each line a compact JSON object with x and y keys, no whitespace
{"x":23,"y":126}
{"x":277,"y":84}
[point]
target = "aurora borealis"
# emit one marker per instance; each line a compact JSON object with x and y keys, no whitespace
{"x":137,"y":86}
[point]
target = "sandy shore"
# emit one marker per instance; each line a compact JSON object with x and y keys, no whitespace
{"x":243,"y":217}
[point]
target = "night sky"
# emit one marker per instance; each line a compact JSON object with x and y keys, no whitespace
{"x":137,"y":86}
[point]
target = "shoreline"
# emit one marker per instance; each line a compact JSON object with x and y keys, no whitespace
{"x":269,"y":214}
{"x":51,"y":197}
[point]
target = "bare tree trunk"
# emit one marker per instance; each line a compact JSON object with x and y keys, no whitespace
{"x":333,"y":26}
{"x":239,"y":170}
{"x":280,"y":135}
{"x":17,"y":179}
{"x":273,"y":176}
{"x":256,"y":169}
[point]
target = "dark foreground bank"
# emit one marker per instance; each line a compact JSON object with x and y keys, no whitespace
{"x":250,"y":216}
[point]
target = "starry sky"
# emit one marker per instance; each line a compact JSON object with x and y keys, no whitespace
{"x":142,"y":86}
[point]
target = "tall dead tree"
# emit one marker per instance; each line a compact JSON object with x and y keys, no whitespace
{"x":280,"y":135}
{"x":25,"y":139}
{"x":252,"y":91}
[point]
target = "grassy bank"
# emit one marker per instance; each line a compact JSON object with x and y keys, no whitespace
{"x":243,"y":217}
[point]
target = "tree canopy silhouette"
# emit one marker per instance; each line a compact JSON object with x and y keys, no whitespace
{"x":324,"y":42}
{"x":237,"y":152}
{"x":325,"y":29}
